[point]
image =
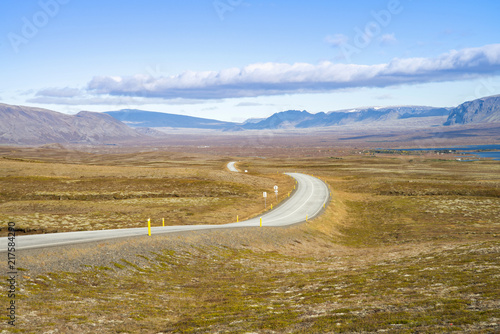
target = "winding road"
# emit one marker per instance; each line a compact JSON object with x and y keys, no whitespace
{"x":231,"y":166}
{"x":308,"y":200}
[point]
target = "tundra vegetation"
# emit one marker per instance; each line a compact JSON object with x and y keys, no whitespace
{"x":408,"y":244}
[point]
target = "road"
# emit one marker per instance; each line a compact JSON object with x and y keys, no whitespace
{"x":308,"y":200}
{"x":231,"y":167}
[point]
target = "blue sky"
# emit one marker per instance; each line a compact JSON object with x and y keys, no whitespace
{"x":239,"y":59}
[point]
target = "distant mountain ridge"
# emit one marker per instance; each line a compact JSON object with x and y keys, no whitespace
{"x":281,"y":120}
{"x":151,"y":119}
{"x":35,"y":126}
{"x":304,"y":119}
{"x":289,"y":119}
{"x":483,"y":110}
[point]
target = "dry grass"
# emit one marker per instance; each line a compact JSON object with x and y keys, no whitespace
{"x":407,"y":245}
{"x":47,"y":197}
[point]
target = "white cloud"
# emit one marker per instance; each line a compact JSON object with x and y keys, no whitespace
{"x":111,"y":100}
{"x":88,"y":100}
{"x":248,"y":104}
{"x":384,"y":97}
{"x":388,"y":39}
{"x":336,"y":40}
{"x":59,"y":92}
{"x":265,"y":79}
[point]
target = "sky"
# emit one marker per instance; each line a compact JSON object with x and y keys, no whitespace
{"x":237,"y":59}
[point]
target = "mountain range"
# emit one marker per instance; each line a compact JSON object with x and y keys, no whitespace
{"x":281,"y":120}
{"x":303,"y":119}
{"x":34,"y":126}
{"x":482,"y":110}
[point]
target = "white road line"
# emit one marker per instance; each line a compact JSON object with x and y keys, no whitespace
{"x":294,"y":211}
{"x":300,"y":201}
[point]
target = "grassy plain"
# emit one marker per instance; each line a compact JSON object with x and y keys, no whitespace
{"x":105,"y":191}
{"x":408,"y":244}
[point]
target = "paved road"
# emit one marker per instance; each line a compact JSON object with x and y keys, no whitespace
{"x":308,"y":200}
{"x":231,"y":167}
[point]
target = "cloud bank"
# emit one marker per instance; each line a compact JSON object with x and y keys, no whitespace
{"x":278,"y":78}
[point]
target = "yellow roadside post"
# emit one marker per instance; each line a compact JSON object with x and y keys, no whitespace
{"x":271,"y":206}
{"x":149,"y":226}
{"x":163,"y":221}
{"x":306,"y":217}
{"x":237,"y":219}
{"x":260,"y":221}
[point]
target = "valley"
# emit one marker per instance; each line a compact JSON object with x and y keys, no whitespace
{"x":409,"y":242}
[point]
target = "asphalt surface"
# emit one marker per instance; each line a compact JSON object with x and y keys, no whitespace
{"x":231,"y":167}
{"x":307,"y":201}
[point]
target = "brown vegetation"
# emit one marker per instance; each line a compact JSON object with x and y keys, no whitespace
{"x":45,"y":197}
{"x":408,"y":244}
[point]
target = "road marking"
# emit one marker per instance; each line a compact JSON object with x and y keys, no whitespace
{"x":300,"y":207}
{"x":41,"y":241}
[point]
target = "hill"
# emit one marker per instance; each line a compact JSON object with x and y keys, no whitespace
{"x":142,"y":118}
{"x":35,"y":126}
{"x":281,"y":120}
{"x":484,"y":110}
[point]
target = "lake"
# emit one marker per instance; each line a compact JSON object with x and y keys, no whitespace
{"x":471,"y":149}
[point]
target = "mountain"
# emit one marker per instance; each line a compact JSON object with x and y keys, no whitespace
{"x":141,"y":118}
{"x":35,"y":126}
{"x":366,"y":116}
{"x":253,"y":120}
{"x":281,"y":120}
{"x":484,"y":110}
{"x":289,"y":119}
